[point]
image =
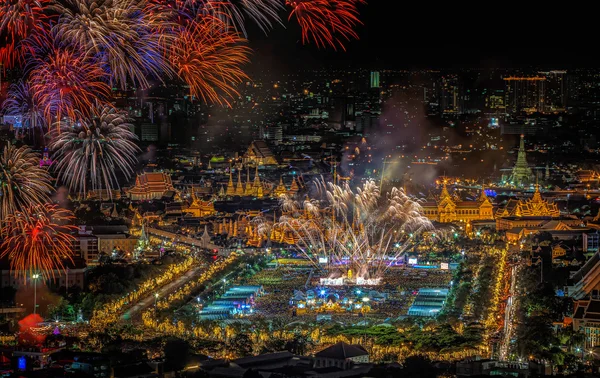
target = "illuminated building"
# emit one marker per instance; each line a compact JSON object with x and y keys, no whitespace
{"x":521,"y":172}
{"x":522,"y":217}
{"x":450,"y":99}
{"x":555,"y":91}
{"x":586,"y":319}
{"x":150,"y":186}
{"x":230,"y":188}
{"x":524,"y":94}
{"x":294,"y":188}
{"x":259,"y":154}
{"x":239,"y":188}
{"x":446,"y":209}
{"x":534,"y":207}
{"x":374,"y":79}
{"x":200,"y":208}
{"x":280,"y":189}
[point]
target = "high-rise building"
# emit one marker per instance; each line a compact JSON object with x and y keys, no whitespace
{"x":555,"y":91}
{"x":524,"y":94}
{"x":450,"y":100}
{"x":375,"y":79}
{"x":149,"y":132}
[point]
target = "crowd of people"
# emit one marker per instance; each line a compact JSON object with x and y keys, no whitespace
{"x":399,"y":286}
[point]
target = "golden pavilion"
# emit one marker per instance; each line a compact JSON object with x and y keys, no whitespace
{"x":150,"y":186}
{"x":200,"y":208}
{"x":526,"y":213}
{"x":447,"y":209}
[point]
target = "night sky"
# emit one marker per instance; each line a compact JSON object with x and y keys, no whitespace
{"x":430,"y":35}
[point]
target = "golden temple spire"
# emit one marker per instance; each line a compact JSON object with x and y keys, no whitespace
{"x":239,"y":189}
{"x":483,"y":196}
{"x":248,"y":185}
{"x":230,"y":188}
{"x":445,"y":192}
{"x":257,"y":186}
{"x":280,"y":189}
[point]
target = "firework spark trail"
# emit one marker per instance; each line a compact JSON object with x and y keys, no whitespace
{"x":20,"y":19}
{"x":20,"y":101}
{"x":23,"y":183}
{"x":354,"y":228}
{"x":119,"y":34}
{"x":326,"y":22}
{"x":89,"y":153}
{"x":39,"y":240}
{"x":67,"y":84}
{"x":208,"y":57}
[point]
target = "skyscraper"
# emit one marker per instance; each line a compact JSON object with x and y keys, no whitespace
{"x":524,"y":94}
{"x":450,"y":99}
{"x":374,"y":79}
{"x":555,"y":91}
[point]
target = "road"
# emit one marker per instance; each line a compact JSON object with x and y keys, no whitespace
{"x":509,"y":322}
{"x":134,"y":313}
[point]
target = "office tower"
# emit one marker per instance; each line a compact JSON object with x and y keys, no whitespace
{"x":375,"y":79}
{"x":524,"y":94}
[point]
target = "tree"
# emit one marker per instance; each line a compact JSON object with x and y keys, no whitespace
{"x":240,"y":345}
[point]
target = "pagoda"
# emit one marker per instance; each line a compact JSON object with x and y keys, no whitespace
{"x":257,"y":189}
{"x":230,"y":188}
{"x":248,"y":184}
{"x":200,"y":208}
{"x":521,"y":172}
{"x":280,"y":189}
{"x":239,"y":188}
{"x":294,"y":188}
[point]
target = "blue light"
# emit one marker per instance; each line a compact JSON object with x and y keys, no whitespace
{"x":22,"y":363}
{"x":322,"y":292}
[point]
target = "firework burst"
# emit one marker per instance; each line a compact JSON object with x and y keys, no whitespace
{"x":207,"y":56}
{"x":23,"y":182}
{"x":89,"y":153}
{"x":67,"y":84}
{"x":37,"y":240}
{"x":119,"y":34}
{"x":326,"y":22}
{"x":20,"y":101}
{"x":359,"y":230}
{"x":19,"y":19}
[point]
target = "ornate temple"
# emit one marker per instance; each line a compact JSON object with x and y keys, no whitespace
{"x":521,"y":173}
{"x":199,"y":208}
{"x":447,"y":209}
{"x":526,"y":213}
{"x":256,"y":188}
{"x":150,"y":186}
{"x":259,"y":154}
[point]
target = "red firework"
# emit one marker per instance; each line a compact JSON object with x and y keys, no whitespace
{"x":38,"y":240}
{"x":67,"y":85}
{"x":208,"y":56}
{"x":19,"y":19}
{"x":326,"y":22}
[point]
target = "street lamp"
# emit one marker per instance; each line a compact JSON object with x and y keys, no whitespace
{"x":155,"y":298}
{"x":224,"y":282}
{"x":35,"y":277}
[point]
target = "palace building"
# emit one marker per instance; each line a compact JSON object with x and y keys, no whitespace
{"x":259,"y":154}
{"x":199,"y":208}
{"x":531,"y":213}
{"x":446,"y":209}
{"x":149,"y":186}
